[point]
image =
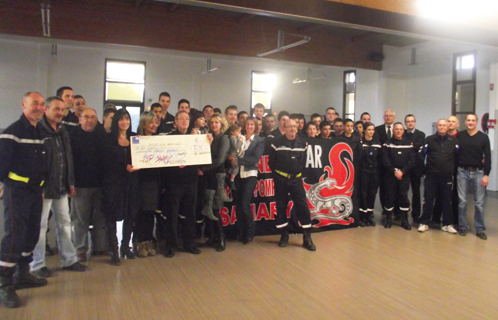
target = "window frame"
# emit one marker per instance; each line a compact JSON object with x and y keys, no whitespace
{"x":345,"y":92}
{"x":455,"y":83}
{"x":125,"y":103}
{"x":268,"y":109}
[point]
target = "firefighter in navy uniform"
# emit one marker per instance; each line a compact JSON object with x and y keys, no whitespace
{"x":22,"y":170}
{"x":287,"y":160}
{"x":398,"y":158}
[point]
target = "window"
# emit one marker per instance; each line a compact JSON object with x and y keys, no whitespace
{"x":349,"y":94}
{"x":125,"y":87}
{"x":464,"y":85}
{"x":261,"y":90}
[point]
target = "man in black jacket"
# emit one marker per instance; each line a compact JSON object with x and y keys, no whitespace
{"x":417,"y":138}
{"x":58,"y":186}
{"x":398,"y":161}
{"x":23,"y":172}
{"x":181,"y":190}
{"x":287,"y":158}
{"x":440,"y":152}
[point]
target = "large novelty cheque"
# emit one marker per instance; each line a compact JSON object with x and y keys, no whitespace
{"x":332,"y":190}
{"x":169,"y":151}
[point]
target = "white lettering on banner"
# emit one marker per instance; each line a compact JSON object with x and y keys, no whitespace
{"x":313,"y":158}
{"x":169,"y":151}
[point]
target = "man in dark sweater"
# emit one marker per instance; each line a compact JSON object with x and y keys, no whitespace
{"x":474,"y":165}
{"x":90,"y":146}
{"x":440,"y":152}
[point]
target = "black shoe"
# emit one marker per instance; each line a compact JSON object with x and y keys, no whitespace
{"x":115,"y":261}
{"x":126,"y":252}
{"x":8,"y":296}
{"x":192,"y":249}
{"x":231,"y":184}
{"x":284,"y":240}
{"x":247,"y":240}
{"x":76,"y":267}
{"x":361,"y":223}
{"x":307,"y":242}
{"x":27,"y":280}
{"x":462,"y":232}
{"x":43,"y":272}
{"x":481,"y":235}
{"x":170,"y":253}
{"x":388,"y":223}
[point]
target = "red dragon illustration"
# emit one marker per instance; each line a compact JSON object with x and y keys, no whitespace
{"x":329,"y":199}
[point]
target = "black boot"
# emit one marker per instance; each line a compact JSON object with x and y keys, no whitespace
{"x":220,"y":235}
{"x":284,"y":238}
{"x":404,"y":221}
{"x":362,"y":219}
{"x":307,"y":242}
{"x":23,"y":279}
{"x":369,"y":219}
{"x":125,"y":243}
{"x":211,"y":238}
{"x":389,"y":220}
{"x":112,"y":241}
{"x":8,"y":296}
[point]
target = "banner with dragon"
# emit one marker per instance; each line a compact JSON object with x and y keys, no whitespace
{"x":329,"y":182}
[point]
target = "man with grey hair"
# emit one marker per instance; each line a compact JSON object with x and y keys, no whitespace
{"x":59,"y":185}
{"x":90,"y":146}
{"x":439,"y":150}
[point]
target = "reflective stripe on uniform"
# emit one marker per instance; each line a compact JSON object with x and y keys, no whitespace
{"x":19,"y":140}
{"x":282,"y":225}
{"x":16,"y":177}
{"x":26,"y":254}
{"x":7,"y":264}
{"x":288,"y":149}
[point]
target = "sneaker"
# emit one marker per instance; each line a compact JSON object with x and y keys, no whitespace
{"x":462,"y":232}
{"x":481,"y":235}
{"x":423,"y":228}
{"x":43,"y":272}
{"x":449,"y":229}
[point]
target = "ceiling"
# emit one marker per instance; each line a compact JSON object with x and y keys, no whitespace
{"x":341,"y":34}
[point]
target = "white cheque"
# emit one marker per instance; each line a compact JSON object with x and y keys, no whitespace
{"x":170,"y":151}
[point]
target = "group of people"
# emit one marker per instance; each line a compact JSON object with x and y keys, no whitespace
{"x":59,"y":159}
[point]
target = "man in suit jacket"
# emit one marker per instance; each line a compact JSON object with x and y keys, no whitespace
{"x":384,"y":132}
{"x":417,"y":138}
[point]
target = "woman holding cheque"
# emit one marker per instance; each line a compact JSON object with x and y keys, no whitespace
{"x":120,"y":187}
{"x":253,"y":149}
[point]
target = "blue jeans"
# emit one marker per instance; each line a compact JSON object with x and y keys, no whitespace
{"x":470,"y":181}
{"x":67,"y":252}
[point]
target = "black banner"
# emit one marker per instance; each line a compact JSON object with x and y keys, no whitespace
{"x":330,"y":184}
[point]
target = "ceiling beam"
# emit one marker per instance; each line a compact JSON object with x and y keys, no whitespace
{"x":339,"y":14}
{"x":245,"y":17}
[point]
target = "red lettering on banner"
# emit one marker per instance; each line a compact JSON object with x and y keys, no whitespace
{"x":265,"y":188}
{"x":262,"y":212}
{"x":273,"y":210}
{"x":263,"y":166}
{"x":289,"y":208}
{"x":234,"y":215}
{"x":269,"y":187}
{"x":225,"y":218}
{"x":253,"y":210}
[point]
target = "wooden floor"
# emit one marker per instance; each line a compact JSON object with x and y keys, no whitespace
{"x":363,"y":273}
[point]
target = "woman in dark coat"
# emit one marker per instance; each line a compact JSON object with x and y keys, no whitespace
{"x":213,"y":203}
{"x":121,"y":195}
{"x":246,"y":182}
